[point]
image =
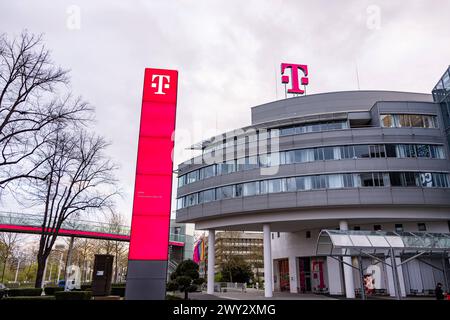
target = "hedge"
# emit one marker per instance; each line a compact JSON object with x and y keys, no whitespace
{"x":86,"y":287}
{"x":38,"y":298}
{"x":24,"y":292}
{"x":118,"y":291}
{"x":50,"y":291}
{"x":73,"y":295}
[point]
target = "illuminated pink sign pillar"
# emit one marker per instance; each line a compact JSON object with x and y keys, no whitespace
{"x":149,"y":241}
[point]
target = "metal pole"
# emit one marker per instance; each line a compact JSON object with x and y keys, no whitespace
{"x":361,"y":276}
{"x":444,"y":269}
{"x":69,"y":261}
{"x":17,"y":270}
{"x":60,"y":266}
{"x":395,"y":275}
{"x":268,"y":277}
{"x":211,"y":260}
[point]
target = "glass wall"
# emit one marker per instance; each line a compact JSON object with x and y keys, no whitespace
{"x":316,"y":154}
{"x":317,"y":182}
{"x":408,"y":121}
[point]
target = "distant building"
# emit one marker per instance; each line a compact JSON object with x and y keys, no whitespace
{"x":246,"y":245}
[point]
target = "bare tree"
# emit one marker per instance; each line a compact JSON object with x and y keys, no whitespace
{"x":8,"y":244}
{"x":76,"y":177}
{"x":29,"y":103}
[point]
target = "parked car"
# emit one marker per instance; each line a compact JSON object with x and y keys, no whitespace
{"x":2,"y":290}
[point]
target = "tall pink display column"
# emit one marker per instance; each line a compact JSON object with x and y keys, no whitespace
{"x":147,"y":260}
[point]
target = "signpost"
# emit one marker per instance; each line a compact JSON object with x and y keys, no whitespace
{"x":148,"y":253}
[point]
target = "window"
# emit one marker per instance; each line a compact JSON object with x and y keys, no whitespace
{"x":318,"y":154}
{"x":398,"y":227}
{"x":403,"y":120}
{"x":349,"y":180}
{"x":361,"y":151}
{"x":356,"y":228}
{"x":377,"y":151}
{"x":396,"y":179}
{"x":224,"y":192}
{"x":263,"y":187}
{"x":304,"y":155}
{"x":238,"y":190}
{"x":287,"y":131}
{"x":328,"y":153}
{"x":291,"y":184}
{"x":319,"y":182}
{"x":181,"y":181}
{"x":387,"y":121}
{"x":347,"y":152}
{"x":416,"y":121}
{"x":228,"y":166}
{"x":423,"y":151}
{"x":378,"y":180}
{"x":422,"y":227}
{"x":287,"y":157}
{"x":335,"y":181}
{"x":405,"y":151}
{"x":275,"y":185}
{"x":303,"y":183}
{"x":437,"y":152}
{"x":391,"y":151}
{"x":251,"y":189}
{"x":206,"y":196}
{"x":191,"y":199}
{"x":207,"y":172}
{"x":408,"y":120}
{"x":180,"y":203}
{"x":308,"y":234}
{"x":192,"y":176}
{"x":366,"y":180}
{"x":377,"y":227}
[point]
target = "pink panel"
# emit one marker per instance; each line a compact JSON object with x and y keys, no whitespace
{"x":149,"y":238}
{"x":153,"y":187}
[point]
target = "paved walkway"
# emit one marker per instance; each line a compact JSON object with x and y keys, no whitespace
{"x":253,"y":294}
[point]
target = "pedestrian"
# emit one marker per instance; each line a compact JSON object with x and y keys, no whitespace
{"x":439,"y":292}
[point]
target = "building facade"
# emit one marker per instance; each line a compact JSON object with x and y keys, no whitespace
{"x":238,"y":244}
{"x":362,"y":160}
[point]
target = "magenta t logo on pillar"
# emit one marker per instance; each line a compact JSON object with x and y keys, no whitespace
{"x":294,"y":78}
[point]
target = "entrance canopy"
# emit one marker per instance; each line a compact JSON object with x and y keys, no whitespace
{"x":352,"y":242}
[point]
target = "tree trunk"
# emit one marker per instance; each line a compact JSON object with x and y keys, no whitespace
{"x":4,"y":267}
{"x":186,"y":294}
{"x":40,"y":272}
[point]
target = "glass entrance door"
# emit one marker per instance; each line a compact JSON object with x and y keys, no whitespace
{"x":304,"y":266}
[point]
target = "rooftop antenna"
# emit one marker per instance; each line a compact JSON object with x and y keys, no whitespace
{"x":276,"y":84}
{"x":357,"y":74}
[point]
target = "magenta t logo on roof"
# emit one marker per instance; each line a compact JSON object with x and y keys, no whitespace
{"x":295,"y":84}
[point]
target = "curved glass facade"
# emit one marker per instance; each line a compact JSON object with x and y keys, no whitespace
{"x":359,"y":151}
{"x":317,"y":182}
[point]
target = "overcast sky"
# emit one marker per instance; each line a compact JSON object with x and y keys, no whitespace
{"x":228,"y":55}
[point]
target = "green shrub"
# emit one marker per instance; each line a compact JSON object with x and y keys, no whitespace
{"x":192,"y":288}
{"x":38,"y":298}
{"x":50,"y":291}
{"x":172,"y":286}
{"x":86,"y":287}
{"x":198,"y":281}
{"x":73,"y":295}
{"x":118,"y":291}
{"x":24,"y":292}
{"x":118,"y":285}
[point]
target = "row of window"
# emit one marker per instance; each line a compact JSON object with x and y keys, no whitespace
{"x":283,"y":131}
{"x":408,"y":120}
{"x":315,"y":154}
{"x":328,"y":181}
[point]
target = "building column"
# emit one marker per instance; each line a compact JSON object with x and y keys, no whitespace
{"x":348,"y":271}
{"x":267,"y":262}
{"x":293,"y":279}
{"x":211,"y":260}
